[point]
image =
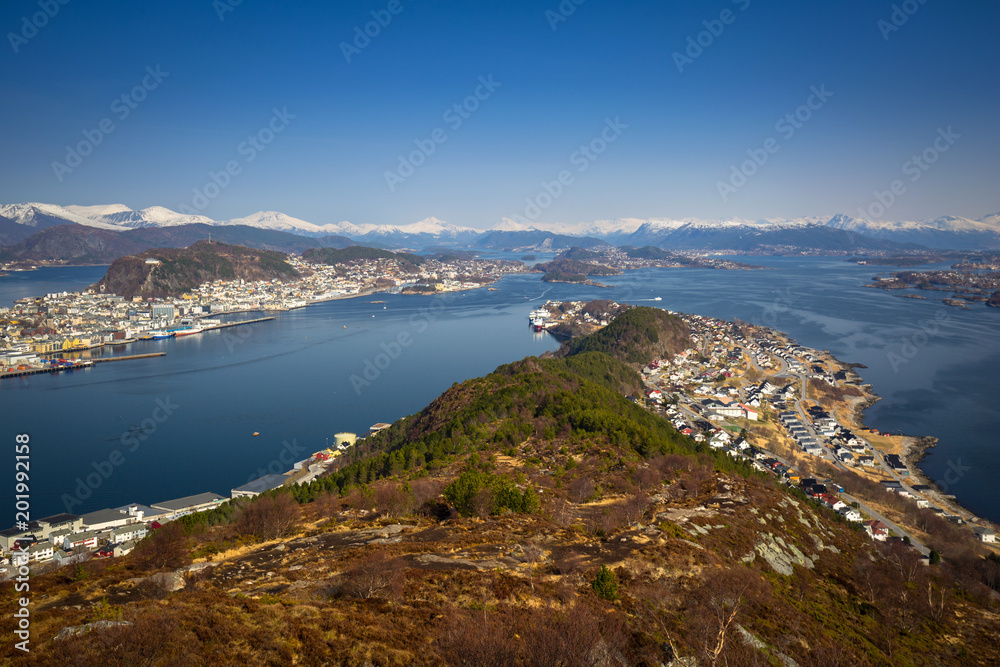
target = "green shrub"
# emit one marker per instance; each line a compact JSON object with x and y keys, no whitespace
{"x":606,"y":584}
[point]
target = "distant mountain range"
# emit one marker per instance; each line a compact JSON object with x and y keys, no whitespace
{"x":839,"y":233}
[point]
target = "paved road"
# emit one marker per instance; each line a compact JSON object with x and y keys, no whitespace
{"x":827,"y":454}
{"x":914,"y":542}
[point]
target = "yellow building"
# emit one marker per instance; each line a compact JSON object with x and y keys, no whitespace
{"x":345,"y":438}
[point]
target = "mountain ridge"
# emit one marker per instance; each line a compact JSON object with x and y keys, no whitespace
{"x":951,"y":232}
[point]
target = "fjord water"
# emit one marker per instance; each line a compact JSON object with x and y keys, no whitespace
{"x":291,"y":379}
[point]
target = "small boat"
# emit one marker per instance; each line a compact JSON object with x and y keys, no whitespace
{"x":256,"y":433}
{"x":659,"y":298}
{"x":345,"y":326}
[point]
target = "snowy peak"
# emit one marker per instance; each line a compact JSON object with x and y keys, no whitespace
{"x":434,"y":227}
{"x":943,"y":232}
{"x":163,"y":217}
{"x":277,"y":221}
{"x":41,"y":216}
{"x":99,"y":211}
{"x":508,"y":225}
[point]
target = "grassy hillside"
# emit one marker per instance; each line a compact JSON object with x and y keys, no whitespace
{"x":533,"y":516}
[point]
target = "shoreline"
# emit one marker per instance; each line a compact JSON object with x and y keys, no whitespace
{"x":911,"y":450}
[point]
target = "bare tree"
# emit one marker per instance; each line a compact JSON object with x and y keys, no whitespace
{"x":581,"y":489}
{"x":268,"y":517}
{"x":720,"y":602}
{"x":166,"y":548}
{"x":376,"y":575}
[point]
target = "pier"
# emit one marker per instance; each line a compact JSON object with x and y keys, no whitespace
{"x":129,"y":356}
{"x":236,"y":324}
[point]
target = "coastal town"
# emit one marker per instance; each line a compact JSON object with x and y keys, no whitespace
{"x":65,"y":538}
{"x":756,"y":395}
{"x":968,"y":283}
{"x":41,"y":334}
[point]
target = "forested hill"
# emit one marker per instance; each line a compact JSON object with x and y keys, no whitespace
{"x":636,"y":337}
{"x":181,"y":270}
{"x":576,"y":401}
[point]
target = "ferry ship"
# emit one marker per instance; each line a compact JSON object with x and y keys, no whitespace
{"x":187,"y":331}
{"x":159,"y":334}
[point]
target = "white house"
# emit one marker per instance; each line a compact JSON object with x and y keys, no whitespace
{"x":877,"y":530}
{"x":84,"y":540}
{"x":986,"y":534}
{"x":40,"y":552}
{"x":130,"y":533}
{"x":850,"y":514}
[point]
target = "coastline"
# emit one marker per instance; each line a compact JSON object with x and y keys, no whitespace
{"x":911,"y":450}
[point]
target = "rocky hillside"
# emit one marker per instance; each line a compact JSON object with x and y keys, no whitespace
{"x":533,"y":516}
{"x":181,"y":270}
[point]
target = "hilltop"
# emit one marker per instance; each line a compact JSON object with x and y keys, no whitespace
{"x":173,"y":272}
{"x":334,"y":256}
{"x":531,"y":516}
{"x":635,"y":337}
{"x":565,"y":270}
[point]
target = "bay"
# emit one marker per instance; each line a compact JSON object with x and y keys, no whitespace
{"x":302,"y":377}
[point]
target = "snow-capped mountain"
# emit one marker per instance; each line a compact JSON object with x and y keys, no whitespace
{"x":945,"y":232}
{"x":279,"y":222}
{"x":41,"y":216}
{"x":99,"y":211}
{"x":18,"y":221}
{"x":429,"y":231}
{"x":121,"y":216}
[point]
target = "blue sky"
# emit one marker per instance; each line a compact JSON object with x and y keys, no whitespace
{"x":558,"y":78}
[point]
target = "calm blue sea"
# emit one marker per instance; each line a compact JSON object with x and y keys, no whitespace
{"x":344,"y":365}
